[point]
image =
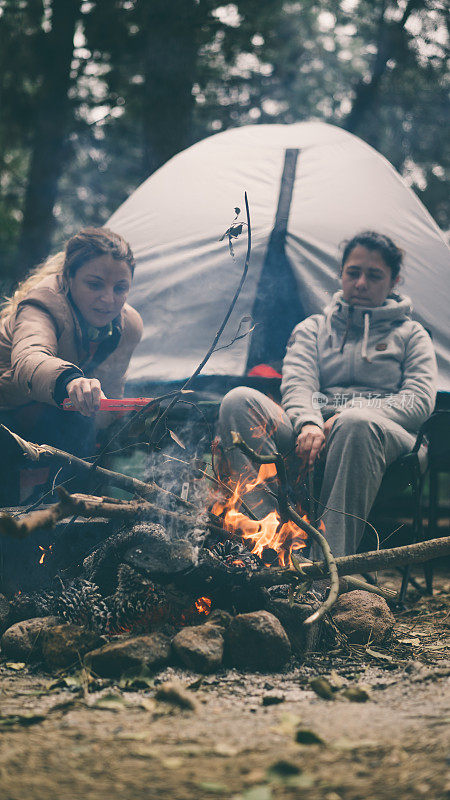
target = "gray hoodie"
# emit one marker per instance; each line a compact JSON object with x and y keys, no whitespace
{"x":350,"y":356}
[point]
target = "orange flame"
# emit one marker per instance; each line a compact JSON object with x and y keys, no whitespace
{"x":268,"y":533}
{"x":45,"y":552}
{"x":203,"y":605}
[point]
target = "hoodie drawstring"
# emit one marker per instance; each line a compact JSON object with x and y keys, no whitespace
{"x":347,"y":328}
{"x":328,"y":316}
{"x":365,"y":339}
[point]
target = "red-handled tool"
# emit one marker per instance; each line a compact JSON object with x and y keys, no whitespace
{"x":111,"y":404}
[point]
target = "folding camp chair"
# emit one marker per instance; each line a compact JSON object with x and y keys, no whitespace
{"x":412,"y":469}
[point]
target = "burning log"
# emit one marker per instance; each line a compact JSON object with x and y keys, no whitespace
{"x":361,"y":562}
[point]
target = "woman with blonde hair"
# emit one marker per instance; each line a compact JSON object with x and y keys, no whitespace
{"x":67,"y":332}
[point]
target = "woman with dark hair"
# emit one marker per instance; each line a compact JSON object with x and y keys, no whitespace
{"x":358,"y":381}
{"x":68,"y":332}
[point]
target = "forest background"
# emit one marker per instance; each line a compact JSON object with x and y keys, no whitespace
{"x":95,"y":95}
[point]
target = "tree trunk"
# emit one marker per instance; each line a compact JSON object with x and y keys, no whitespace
{"x":51,"y":126}
{"x":389,"y":45}
{"x":170,"y":53}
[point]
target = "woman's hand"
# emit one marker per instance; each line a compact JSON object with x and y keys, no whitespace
{"x":329,"y":424}
{"x":310,"y":442}
{"x":85,"y":394}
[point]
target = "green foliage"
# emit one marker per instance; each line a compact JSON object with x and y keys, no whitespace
{"x":89,"y":117}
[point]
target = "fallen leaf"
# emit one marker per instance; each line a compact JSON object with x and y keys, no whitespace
{"x":256,"y":793}
{"x":303,"y":781}
{"x":142,"y":752}
{"x":226,"y":750}
{"x":73,"y":682}
{"x":283,"y":768}
{"x":214,"y":788}
{"x":376,"y":654}
{"x":288,"y":724}
{"x":64,"y":705}
{"x":108,"y":702}
{"x":177,"y":440}
{"x":142,"y":681}
{"x":134,"y":736}
{"x":415,"y":642}
{"x":15,"y":665}
{"x":336,"y":680}
{"x":172,"y":763}
{"x":356,"y":694}
{"x":196,"y":684}
{"x":305,"y":736}
{"x":322,"y":687}
{"x":273,"y":699}
{"x":175,"y":694}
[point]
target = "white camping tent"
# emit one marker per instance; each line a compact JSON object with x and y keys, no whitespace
{"x":310,"y":185}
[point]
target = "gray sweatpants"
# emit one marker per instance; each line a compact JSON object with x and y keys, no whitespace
{"x":360,"y":447}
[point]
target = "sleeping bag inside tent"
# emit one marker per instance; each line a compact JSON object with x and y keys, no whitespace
{"x":310,"y":186}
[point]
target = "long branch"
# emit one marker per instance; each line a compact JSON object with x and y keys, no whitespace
{"x":90,"y":506}
{"x":132,"y":485}
{"x":222,"y":327}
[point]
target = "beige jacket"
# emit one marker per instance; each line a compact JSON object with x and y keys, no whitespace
{"x":43,"y":339}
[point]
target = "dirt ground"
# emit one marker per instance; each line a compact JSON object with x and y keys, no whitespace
{"x":70,"y":737}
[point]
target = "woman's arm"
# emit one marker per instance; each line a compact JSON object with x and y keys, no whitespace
{"x":411,"y":406}
{"x":34,"y":361}
{"x":301,"y":375}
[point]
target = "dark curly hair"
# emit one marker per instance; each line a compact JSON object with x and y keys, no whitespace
{"x":379,"y":242}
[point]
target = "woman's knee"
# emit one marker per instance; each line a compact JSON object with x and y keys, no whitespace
{"x":357,"y":422}
{"x":237,"y":403}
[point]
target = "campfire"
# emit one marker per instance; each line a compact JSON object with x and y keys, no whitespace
{"x":167,"y":571}
{"x":270,"y":538}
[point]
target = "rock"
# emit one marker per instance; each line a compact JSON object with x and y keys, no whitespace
{"x":303,"y":638}
{"x":5,"y":607}
{"x":257,"y":641}
{"x":220,"y":618}
{"x":200,"y":648}
{"x":363,"y":617}
{"x":130,"y":655}
{"x":23,"y":640}
{"x":64,"y":645}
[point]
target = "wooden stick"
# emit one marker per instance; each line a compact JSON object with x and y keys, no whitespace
{"x":21,"y":527}
{"x":348,"y":584}
{"x":90,"y":506}
{"x":131,"y":485}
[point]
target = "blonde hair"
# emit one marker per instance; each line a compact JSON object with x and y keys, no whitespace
{"x":87,"y":244}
